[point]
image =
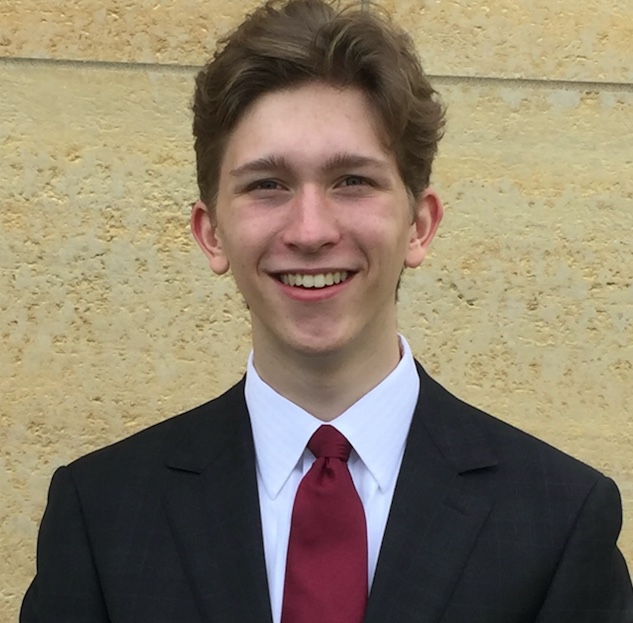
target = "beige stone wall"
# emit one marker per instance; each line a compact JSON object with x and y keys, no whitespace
{"x":110,"y":320}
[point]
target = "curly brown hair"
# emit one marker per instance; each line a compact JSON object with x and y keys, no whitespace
{"x":284,"y":44}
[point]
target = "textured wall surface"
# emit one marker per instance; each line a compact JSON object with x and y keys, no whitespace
{"x":562,"y":39}
{"x":110,"y":320}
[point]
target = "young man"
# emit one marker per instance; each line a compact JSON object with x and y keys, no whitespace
{"x":337,"y":483}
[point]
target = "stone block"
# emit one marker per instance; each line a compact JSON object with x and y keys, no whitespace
{"x":580,"y":40}
{"x":135,"y":31}
{"x":529,"y":39}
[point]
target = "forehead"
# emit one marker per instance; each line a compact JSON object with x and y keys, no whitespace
{"x":307,"y":124}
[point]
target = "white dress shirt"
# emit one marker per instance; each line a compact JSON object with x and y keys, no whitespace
{"x":376,"y":426}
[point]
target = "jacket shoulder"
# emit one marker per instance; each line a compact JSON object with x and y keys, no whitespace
{"x":519,"y":455}
{"x":210,"y":421}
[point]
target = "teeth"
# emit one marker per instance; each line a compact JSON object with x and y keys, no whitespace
{"x":313,"y":281}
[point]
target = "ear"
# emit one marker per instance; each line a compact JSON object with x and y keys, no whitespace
{"x":206,"y":233}
{"x":428,"y":212}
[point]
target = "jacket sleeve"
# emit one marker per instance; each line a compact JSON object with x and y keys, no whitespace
{"x":66,"y":587}
{"x":592,"y":583}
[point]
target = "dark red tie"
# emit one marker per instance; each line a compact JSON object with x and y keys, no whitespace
{"x":326,"y":569}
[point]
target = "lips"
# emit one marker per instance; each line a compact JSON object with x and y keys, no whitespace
{"x":318,"y":280}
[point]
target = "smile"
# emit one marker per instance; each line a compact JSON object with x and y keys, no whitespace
{"x":320,"y":280}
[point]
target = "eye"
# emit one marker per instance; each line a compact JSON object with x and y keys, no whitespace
{"x":354,"y":180}
{"x":265,"y":185}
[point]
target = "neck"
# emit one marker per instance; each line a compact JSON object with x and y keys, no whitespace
{"x":327,"y":384}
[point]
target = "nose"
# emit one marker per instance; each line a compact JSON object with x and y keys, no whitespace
{"x":312,"y":221}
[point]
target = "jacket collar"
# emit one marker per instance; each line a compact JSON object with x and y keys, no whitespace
{"x":212,"y":502}
{"x":436,"y":515}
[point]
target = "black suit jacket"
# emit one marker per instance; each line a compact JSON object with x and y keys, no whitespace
{"x":488,"y":525}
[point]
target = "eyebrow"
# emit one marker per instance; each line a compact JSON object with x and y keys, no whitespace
{"x":267,"y":163}
{"x":335,"y":162}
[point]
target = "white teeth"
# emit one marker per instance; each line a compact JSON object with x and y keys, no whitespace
{"x":313,"y":281}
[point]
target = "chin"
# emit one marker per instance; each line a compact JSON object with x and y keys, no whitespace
{"x":319,"y":343}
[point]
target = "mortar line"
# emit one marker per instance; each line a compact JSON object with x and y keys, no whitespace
{"x":446,"y":79}
{"x":105,"y":65}
{"x":532,"y":83}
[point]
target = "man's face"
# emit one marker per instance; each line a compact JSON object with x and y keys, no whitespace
{"x":314,"y":221}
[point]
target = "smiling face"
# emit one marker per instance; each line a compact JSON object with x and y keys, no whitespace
{"x":314,"y":222}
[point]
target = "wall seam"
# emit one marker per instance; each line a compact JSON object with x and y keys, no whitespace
{"x":446,"y":79}
{"x":532,"y":83}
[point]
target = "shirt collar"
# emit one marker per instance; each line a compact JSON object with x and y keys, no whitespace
{"x":376,"y":425}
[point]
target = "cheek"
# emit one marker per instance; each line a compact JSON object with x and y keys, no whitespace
{"x":388,"y":234}
{"x":247,"y":244}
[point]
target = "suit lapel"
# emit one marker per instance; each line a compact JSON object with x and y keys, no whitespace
{"x":212,"y":503}
{"x":435,"y":515}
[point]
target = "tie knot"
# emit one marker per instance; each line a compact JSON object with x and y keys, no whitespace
{"x":328,"y":443}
